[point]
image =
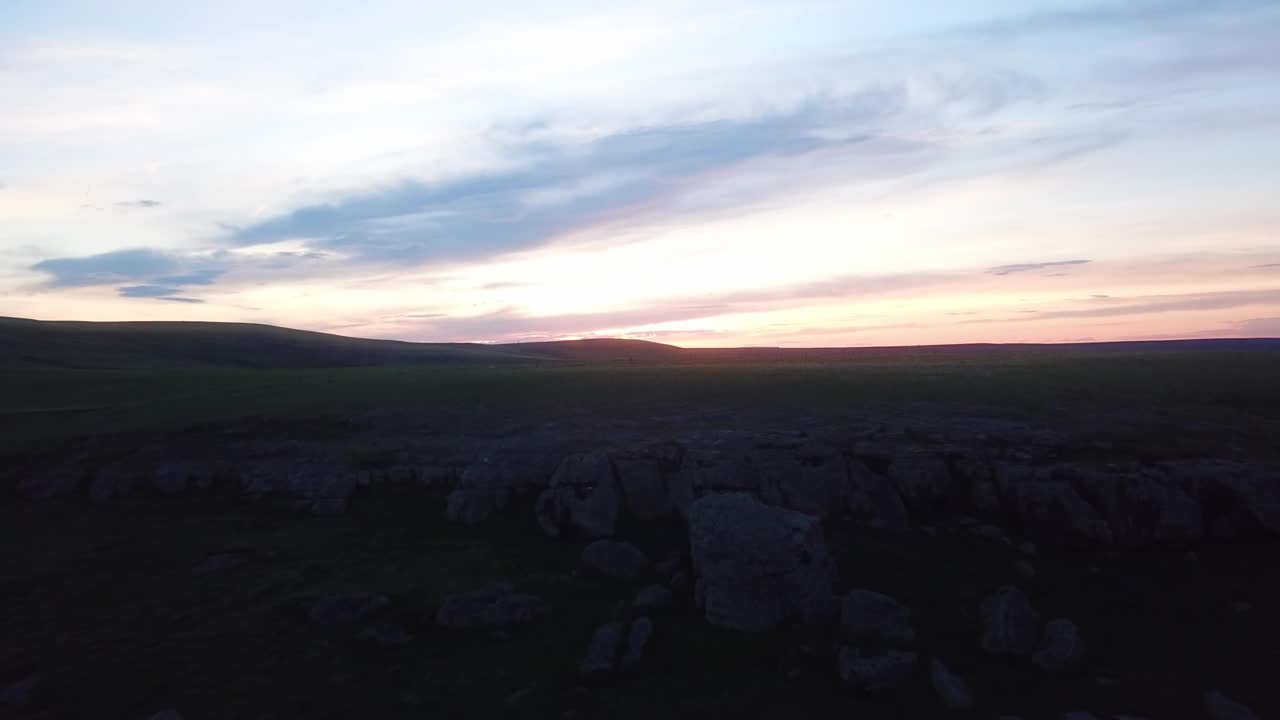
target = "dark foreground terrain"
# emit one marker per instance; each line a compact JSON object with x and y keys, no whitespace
{"x":977,"y":533}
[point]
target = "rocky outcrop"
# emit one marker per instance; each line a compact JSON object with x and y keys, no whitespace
{"x":1051,"y":510}
{"x":615,"y":646}
{"x":1060,"y":646}
{"x":492,"y":608}
{"x":757,"y":566}
{"x":1010,"y":626}
{"x":867,"y":615}
{"x":644,"y":476}
{"x":583,"y":499}
{"x":810,"y":478}
{"x":923,"y":481}
{"x":874,"y":500}
{"x":1238,"y":500}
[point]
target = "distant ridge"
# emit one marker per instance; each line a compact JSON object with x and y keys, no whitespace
{"x":155,"y":345}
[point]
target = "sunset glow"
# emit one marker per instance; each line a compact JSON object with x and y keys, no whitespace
{"x":699,"y":173}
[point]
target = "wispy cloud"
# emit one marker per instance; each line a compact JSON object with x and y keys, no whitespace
{"x":1157,"y":304}
{"x":1033,"y":267}
{"x":138,"y":204}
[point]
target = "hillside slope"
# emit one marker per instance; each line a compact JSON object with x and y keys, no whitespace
{"x":32,"y":343}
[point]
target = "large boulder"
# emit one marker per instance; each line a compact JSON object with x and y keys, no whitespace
{"x":491,"y":608}
{"x":923,"y":481}
{"x":644,"y":477}
{"x":583,"y":499}
{"x":617,"y":560}
{"x":1140,"y":506}
{"x":616,"y":646}
{"x":867,"y":615}
{"x":875,"y":674}
{"x":874,"y":500}
{"x":1060,"y":647}
{"x":1051,"y":510}
{"x":498,"y":476}
{"x":1010,"y":626}
{"x":811,"y":478}
{"x":757,"y":566}
{"x":1238,"y":500}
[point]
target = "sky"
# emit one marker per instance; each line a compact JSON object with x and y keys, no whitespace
{"x":698,"y":172}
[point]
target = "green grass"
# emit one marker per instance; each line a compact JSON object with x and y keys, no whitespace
{"x":50,"y":405}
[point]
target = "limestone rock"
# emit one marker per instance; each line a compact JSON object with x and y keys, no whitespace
{"x":1010,"y":626}
{"x":583,"y":498}
{"x":874,"y":500}
{"x":756,"y":565}
{"x":1060,"y":646}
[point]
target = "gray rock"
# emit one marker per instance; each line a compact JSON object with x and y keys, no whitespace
{"x":867,"y":615}
{"x":811,"y":479}
{"x":18,"y":693}
{"x":950,"y":687}
{"x":614,"y":559}
{"x":491,"y":608}
{"x":756,"y":566}
{"x":334,"y":610}
{"x":482,"y":490}
{"x":602,"y":652}
{"x":1055,"y":512}
{"x":1060,"y":647}
{"x":876,"y":674}
{"x":638,"y":637}
{"x":1010,"y":626}
{"x":653,"y":598}
{"x":1140,"y":506}
{"x":874,"y":500}
{"x":1220,"y":707}
{"x":583,"y":499}
{"x":386,"y":635}
{"x":643,"y":477}
{"x":923,"y":481}
{"x":166,"y":715}
{"x":1238,"y":500}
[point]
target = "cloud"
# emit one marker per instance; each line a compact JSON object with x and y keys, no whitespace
{"x":1112,"y":14}
{"x":1188,"y":302}
{"x":181,"y":300}
{"x":1260,"y":327}
{"x":1032,"y":267}
{"x":1267,"y":266}
{"x":564,"y":184}
{"x":148,"y":291}
{"x":138,"y":204}
{"x":120,"y":266}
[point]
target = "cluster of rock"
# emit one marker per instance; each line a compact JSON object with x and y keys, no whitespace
{"x":889,"y":482}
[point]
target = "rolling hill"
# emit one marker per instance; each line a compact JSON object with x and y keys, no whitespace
{"x":158,"y":345}
{"x":170,"y":345}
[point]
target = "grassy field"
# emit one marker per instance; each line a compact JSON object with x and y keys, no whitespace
{"x":39,"y":406}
